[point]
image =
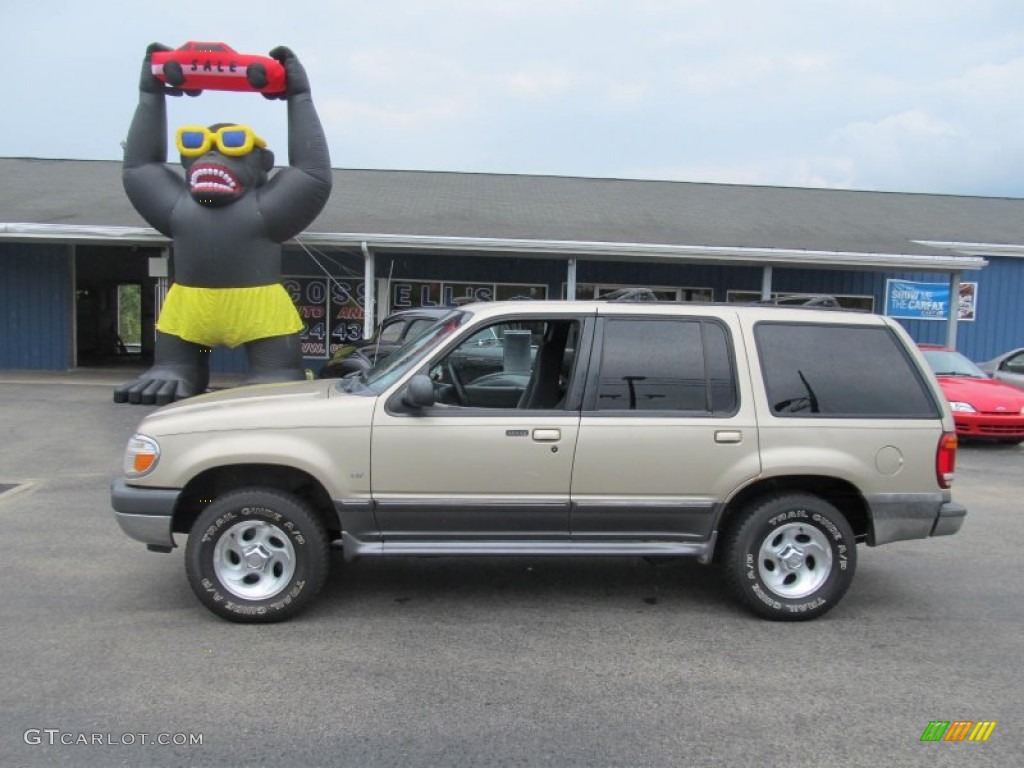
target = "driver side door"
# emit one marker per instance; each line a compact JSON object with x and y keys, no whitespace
{"x":492,"y":458}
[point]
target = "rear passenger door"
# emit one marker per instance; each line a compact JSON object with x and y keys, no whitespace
{"x":667,"y":428}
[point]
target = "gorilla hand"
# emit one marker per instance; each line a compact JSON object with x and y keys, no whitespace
{"x":150,"y":83}
{"x":295,"y":74}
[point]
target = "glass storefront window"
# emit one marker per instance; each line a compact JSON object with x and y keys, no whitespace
{"x":860,"y":303}
{"x":408,"y":294}
{"x":586,"y":291}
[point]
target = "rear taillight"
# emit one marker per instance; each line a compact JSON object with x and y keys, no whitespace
{"x":945,"y":459}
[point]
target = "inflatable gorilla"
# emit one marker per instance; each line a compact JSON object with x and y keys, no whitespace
{"x":226,"y":219}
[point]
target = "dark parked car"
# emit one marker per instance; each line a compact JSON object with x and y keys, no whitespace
{"x":982,"y":408}
{"x":396,"y":329}
{"x":1007,"y":368}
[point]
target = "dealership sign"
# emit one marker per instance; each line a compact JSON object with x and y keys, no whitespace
{"x":928,"y":301}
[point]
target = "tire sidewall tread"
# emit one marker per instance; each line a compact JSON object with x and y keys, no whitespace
{"x":289,"y":514}
{"x":756,"y":525}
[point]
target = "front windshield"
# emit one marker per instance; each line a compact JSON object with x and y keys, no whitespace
{"x":947,"y":363}
{"x":392,"y":367}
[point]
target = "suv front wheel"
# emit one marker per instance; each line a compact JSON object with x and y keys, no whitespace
{"x":790,"y":557}
{"x":257,"y":555}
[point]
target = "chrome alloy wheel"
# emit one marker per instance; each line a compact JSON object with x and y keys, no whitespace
{"x":254,"y":560}
{"x":794,"y":560}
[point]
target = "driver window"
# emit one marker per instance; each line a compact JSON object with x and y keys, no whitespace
{"x":1014,"y":364}
{"x":523,"y":364}
{"x":392,"y":332}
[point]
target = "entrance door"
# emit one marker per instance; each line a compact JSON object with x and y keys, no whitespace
{"x":114,"y":306}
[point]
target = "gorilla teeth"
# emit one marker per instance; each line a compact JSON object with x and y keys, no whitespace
{"x":221,"y":180}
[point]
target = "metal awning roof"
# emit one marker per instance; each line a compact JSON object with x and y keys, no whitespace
{"x":956,"y":257}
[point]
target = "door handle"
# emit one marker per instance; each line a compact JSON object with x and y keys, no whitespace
{"x":547,"y":435}
{"x":728,"y":436}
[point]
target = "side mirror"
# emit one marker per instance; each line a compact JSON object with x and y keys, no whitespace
{"x":419,"y":392}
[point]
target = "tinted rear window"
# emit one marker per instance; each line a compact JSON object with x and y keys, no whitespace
{"x":840,"y":371}
{"x":666,"y":365}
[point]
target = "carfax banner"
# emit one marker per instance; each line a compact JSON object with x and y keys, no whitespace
{"x":928,"y":301}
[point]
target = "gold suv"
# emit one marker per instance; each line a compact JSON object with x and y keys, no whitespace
{"x":769,"y":439}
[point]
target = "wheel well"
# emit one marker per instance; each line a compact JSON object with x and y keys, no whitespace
{"x":839,"y":493}
{"x":207,"y":486}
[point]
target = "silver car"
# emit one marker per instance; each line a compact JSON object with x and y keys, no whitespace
{"x":1007,"y":367}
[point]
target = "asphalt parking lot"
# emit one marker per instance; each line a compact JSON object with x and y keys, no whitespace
{"x":436,"y":662}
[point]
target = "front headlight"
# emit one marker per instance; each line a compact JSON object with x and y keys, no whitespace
{"x":960,"y":407}
{"x":140,"y":456}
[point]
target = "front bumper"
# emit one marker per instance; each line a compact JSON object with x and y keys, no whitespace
{"x":990,"y":426}
{"x":145,"y":514}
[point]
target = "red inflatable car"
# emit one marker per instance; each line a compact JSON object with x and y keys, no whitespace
{"x":196,"y":67}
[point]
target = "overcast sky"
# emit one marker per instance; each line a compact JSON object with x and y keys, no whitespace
{"x":900,"y":95}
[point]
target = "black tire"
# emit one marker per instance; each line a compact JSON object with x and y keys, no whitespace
{"x":174,"y":74}
{"x":256,"y":74}
{"x":790,"y":557}
{"x":288,"y":556}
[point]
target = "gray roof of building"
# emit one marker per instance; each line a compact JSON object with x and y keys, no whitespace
{"x":425,"y":205}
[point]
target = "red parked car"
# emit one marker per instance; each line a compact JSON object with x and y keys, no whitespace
{"x":982,"y":407}
{"x":195,"y":67}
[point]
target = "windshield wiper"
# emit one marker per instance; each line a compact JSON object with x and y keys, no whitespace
{"x":796,"y":404}
{"x":811,"y":397}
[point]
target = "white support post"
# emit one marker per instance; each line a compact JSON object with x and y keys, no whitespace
{"x":766,"y":283}
{"x":954,"y":309}
{"x":369,"y":293}
{"x":570,"y":281}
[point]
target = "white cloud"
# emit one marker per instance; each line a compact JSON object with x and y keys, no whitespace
{"x":374,"y":116}
{"x":538,"y":82}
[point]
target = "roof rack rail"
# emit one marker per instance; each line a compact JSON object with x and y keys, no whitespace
{"x":630,"y":294}
{"x":821,"y":301}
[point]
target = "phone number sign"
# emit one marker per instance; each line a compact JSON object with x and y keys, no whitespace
{"x":332,"y":312}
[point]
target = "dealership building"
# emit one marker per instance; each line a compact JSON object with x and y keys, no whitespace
{"x":82,"y":276}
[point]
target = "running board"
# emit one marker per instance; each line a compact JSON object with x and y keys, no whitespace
{"x":354,"y":548}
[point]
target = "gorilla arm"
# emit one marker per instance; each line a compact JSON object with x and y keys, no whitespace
{"x":295,"y":195}
{"x":152,"y":187}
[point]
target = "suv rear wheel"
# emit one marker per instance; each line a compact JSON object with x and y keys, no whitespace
{"x":791,"y":557}
{"x":257,"y":555}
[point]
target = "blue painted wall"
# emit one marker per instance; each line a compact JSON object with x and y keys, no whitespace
{"x":999,"y":323}
{"x":35,"y":307}
{"x":36,"y":294}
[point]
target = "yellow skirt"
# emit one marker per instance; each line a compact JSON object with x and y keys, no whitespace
{"x":227,"y":316}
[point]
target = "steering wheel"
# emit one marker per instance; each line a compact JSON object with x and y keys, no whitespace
{"x":457,"y":385}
